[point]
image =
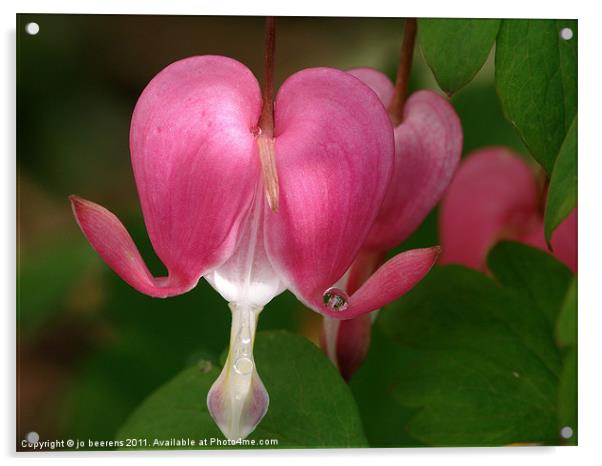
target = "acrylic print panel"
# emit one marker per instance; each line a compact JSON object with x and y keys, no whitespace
{"x":248,"y":232}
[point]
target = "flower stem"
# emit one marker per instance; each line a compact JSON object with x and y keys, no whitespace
{"x":266,"y":121}
{"x":267,"y":151}
{"x":403,"y":72}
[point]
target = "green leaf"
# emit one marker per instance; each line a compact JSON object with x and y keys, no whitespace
{"x":385,"y":419}
{"x":566,"y":325}
{"x":536,"y":80}
{"x":466,"y":359}
{"x":456,"y":49}
{"x":562,"y":195}
{"x":483,"y":122}
{"x":310,"y":404}
{"x":537,"y":275}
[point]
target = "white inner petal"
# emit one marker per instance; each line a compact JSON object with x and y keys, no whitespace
{"x":248,"y":277}
{"x":238,"y":400}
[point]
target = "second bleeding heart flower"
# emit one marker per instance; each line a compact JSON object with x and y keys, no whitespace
{"x":428,"y":145}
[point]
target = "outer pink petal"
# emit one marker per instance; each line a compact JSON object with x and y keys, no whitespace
{"x":346,"y":342}
{"x":428,"y":145}
{"x":393,"y":279}
{"x":377,"y":81}
{"x":114,"y":245}
{"x":492,"y":196}
{"x":195,"y":160}
{"x":334,"y":156}
{"x":353,"y":343}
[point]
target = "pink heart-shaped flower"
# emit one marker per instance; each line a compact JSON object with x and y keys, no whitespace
{"x":203,"y":168}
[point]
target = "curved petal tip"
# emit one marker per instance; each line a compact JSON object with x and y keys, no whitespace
{"x":393,"y":279}
{"x":115,"y":246}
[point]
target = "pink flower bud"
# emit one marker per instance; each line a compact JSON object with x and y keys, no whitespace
{"x":494,"y":196}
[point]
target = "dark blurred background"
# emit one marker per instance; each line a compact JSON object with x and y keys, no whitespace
{"x":90,"y":348}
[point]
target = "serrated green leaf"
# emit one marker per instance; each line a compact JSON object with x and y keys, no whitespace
{"x":385,"y":419}
{"x":536,"y":80}
{"x":310,"y":404}
{"x":456,"y":49}
{"x":468,"y":359}
{"x":562,"y":194}
{"x":536,"y":274}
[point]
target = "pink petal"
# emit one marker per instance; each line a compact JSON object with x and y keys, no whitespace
{"x":377,"y":81}
{"x":334,"y":156}
{"x":428,"y":144}
{"x":352,"y":343}
{"x":393,"y":279}
{"x":346,"y":342}
{"x":114,"y":245}
{"x":492,"y":196}
{"x":195,"y":160}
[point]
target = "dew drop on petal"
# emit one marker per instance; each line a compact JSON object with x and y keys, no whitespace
{"x":243,"y":365}
{"x":336,"y":299}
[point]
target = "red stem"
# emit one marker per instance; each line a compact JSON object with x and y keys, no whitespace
{"x":266,"y":121}
{"x":403,"y":72}
{"x":265,"y":142}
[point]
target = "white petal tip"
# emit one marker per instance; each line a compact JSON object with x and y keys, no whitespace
{"x":238,"y":403}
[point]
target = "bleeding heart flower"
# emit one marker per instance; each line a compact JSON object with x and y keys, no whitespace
{"x":256,"y":209}
{"x":494,"y":196}
{"x":428,"y":144}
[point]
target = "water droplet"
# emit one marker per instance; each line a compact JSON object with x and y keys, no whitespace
{"x":243,"y":365}
{"x":516,"y":374}
{"x":244,"y":336}
{"x":336,"y":299}
{"x":204,"y":366}
{"x":566,"y":432}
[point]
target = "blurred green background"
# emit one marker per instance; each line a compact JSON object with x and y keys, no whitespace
{"x":90,"y":348}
